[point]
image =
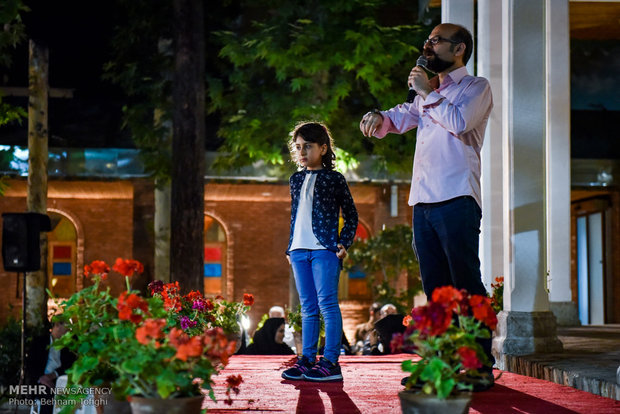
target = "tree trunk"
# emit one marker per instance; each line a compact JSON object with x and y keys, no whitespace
{"x":36,"y":199}
{"x":188,"y":147}
{"x":162,"y":231}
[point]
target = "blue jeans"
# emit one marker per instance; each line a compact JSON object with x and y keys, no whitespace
{"x":445,"y":239}
{"x":316,"y":274}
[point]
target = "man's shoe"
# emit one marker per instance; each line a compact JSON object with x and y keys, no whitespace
{"x":324,"y":371}
{"x":481,"y":383}
{"x":297,"y":371}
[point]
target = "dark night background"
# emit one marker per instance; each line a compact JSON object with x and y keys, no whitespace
{"x":78,"y":36}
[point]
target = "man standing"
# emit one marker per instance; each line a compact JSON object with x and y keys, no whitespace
{"x":451,"y":112}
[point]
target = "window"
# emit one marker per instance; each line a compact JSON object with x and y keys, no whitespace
{"x":61,"y":263}
{"x":215,"y":257}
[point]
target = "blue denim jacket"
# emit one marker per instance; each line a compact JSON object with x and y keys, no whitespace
{"x":331,"y":193}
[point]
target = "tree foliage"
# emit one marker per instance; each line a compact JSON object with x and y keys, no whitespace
{"x":12,"y":33}
{"x":384,"y":258}
{"x":271,"y":64}
{"x":320,"y":60}
{"x":141,"y":64}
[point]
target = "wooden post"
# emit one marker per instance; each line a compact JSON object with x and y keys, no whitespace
{"x":36,"y":199}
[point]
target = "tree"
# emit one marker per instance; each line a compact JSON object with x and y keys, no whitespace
{"x":188,"y":146}
{"x":325,"y":60}
{"x":36,"y":197}
{"x":386,"y":257}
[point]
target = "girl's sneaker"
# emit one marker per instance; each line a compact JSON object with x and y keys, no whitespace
{"x":324,"y":371}
{"x":297,"y":371}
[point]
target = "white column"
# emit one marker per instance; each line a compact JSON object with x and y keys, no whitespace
{"x":558,"y":162}
{"x":524,"y":111}
{"x":460,"y":12}
{"x":489,"y":65}
{"x":526,"y":325}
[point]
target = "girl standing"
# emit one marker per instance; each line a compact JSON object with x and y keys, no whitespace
{"x":316,"y":248}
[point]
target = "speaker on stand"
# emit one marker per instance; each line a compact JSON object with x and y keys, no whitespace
{"x":21,"y":252}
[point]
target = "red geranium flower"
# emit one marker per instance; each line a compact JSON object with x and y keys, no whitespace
{"x":407,"y":319}
{"x":448,"y":296}
{"x":97,"y":267}
{"x":469,"y":358}
{"x":248,"y":299}
{"x":151,"y":329}
{"x":127,"y":267}
{"x":185,"y":345}
{"x":193,"y":295}
{"x":126,"y":305}
{"x":432,"y":319}
{"x":499,"y":281}
{"x":156,"y":286}
{"x":482,"y":310}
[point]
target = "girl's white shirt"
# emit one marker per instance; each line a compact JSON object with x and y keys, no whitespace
{"x":303,"y":235}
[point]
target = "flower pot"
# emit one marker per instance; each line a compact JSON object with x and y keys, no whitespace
{"x":412,"y":402}
{"x":189,"y":405}
{"x":108,"y":404}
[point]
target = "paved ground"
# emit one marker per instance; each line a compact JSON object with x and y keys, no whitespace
{"x":589,"y":362}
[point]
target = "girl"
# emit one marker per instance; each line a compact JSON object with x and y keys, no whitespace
{"x":316,"y":249}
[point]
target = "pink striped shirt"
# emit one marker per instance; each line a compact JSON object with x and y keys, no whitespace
{"x":451,"y":123}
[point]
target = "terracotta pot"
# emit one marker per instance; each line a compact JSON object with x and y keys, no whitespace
{"x":188,"y":405}
{"x":413,"y":402}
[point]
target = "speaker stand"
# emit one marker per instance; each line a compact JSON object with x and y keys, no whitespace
{"x":22,"y":369}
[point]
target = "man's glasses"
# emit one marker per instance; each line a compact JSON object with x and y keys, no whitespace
{"x":437,"y":39}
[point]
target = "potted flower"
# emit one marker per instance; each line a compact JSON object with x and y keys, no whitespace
{"x":294,"y":320}
{"x":193,"y":313}
{"x":142,"y":348}
{"x":497,"y":295}
{"x":443,"y":334}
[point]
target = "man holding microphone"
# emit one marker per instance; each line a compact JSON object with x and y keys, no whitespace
{"x":450,"y":111}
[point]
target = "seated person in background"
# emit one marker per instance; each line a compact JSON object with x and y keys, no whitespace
{"x":378,"y":340}
{"x":363,"y":329}
{"x":387,"y":309}
{"x":44,"y":363}
{"x":346,"y":347}
{"x":278,"y":312}
{"x":269,"y":340}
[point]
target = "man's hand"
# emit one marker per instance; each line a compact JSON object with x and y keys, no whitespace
{"x":342,"y":252}
{"x":370,"y":123}
{"x":419,"y":81}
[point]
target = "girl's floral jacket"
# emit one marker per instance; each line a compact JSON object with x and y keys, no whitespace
{"x":331,"y":193}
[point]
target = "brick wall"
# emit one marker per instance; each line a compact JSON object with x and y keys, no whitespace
{"x":115,"y":219}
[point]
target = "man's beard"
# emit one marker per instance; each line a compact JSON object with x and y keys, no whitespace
{"x":437,"y":64}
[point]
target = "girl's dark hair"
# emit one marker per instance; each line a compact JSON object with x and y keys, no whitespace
{"x":314,"y":132}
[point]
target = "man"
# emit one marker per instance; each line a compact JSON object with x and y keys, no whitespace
{"x":46,"y":363}
{"x":451,"y":112}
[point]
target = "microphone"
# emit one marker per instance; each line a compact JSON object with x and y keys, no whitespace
{"x":412,"y":93}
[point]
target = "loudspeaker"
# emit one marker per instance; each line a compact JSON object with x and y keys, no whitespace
{"x":20,"y":240}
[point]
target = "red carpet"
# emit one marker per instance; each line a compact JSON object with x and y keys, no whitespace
{"x":371,"y":385}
